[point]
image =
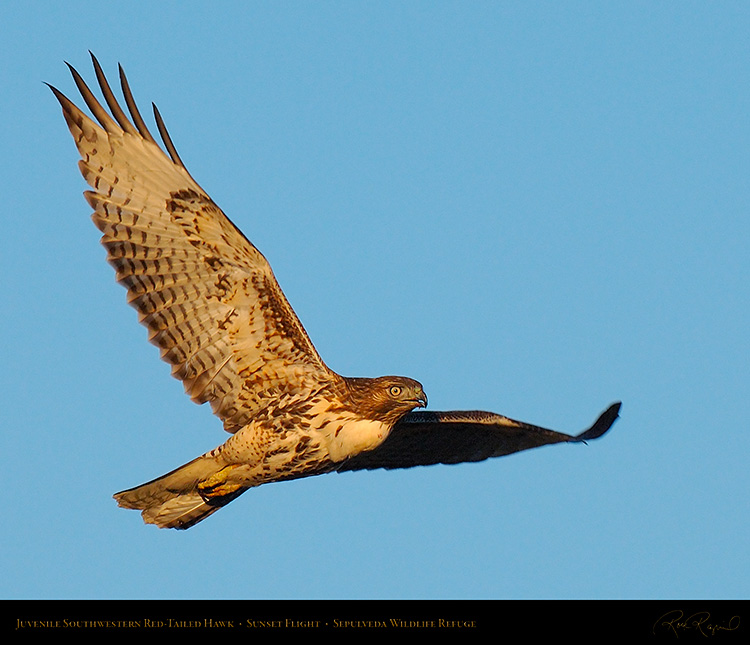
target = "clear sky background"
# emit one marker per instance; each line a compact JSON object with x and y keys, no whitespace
{"x":533,"y":208}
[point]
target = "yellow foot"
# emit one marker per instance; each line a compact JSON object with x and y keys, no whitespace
{"x":217,"y":485}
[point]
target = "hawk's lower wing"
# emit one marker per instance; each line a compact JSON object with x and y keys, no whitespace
{"x":426,"y":438}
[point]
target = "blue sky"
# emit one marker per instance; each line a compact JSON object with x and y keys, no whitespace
{"x":533,"y":208}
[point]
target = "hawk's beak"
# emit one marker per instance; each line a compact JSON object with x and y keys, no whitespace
{"x":422,"y":400}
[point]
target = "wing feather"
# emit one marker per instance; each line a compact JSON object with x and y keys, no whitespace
{"x":427,"y":438}
{"x":207,"y":296}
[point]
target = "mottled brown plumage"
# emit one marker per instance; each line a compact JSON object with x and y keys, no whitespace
{"x":214,"y":309}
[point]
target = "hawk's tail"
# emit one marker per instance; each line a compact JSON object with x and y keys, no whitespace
{"x":183,"y":497}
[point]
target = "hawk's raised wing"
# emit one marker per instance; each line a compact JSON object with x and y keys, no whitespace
{"x":207,"y":295}
{"x":426,"y":438}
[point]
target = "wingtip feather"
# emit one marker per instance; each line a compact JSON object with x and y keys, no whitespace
{"x":602,"y":424}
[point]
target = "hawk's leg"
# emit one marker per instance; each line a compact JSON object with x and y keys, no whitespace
{"x":218,"y":484}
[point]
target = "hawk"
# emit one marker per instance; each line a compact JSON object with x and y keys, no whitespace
{"x":213,"y":307}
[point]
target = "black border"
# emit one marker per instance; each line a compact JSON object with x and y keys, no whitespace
{"x":658,"y":620}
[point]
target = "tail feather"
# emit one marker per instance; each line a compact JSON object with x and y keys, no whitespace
{"x":174,"y":500}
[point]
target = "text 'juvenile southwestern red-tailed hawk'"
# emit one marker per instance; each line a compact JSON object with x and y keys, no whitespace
{"x":213,"y":307}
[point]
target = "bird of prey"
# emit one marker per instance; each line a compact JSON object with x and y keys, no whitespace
{"x":215,"y":310}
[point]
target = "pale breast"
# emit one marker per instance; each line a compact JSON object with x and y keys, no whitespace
{"x":329,"y":434}
{"x":346,"y":437}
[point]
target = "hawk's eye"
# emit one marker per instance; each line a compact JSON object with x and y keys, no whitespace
{"x":394,"y":390}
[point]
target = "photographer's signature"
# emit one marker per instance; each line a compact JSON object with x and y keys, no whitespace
{"x":700,"y":622}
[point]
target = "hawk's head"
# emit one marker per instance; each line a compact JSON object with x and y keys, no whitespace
{"x":386,"y":398}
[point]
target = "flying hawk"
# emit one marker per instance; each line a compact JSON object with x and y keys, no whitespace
{"x":213,"y":307}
